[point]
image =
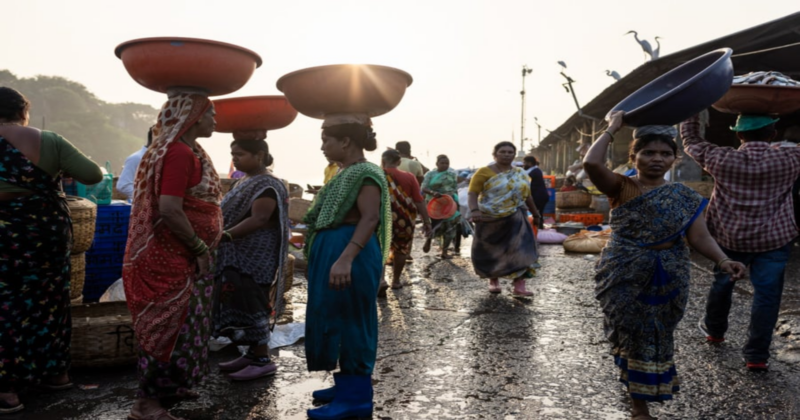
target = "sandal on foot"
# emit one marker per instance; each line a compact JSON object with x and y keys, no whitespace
{"x":162,"y":414}
{"x":8,"y":408}
{"x":397,"y":286}
{"x":254,"y":372}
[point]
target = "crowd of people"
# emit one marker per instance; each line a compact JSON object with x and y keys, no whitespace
{"x":200,"y":264}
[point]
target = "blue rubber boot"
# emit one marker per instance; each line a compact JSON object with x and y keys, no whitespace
{"x":352,"y":398}
{"x":324,"y":395}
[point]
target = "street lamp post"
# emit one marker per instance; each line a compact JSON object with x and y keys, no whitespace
{"x":525,"y":71}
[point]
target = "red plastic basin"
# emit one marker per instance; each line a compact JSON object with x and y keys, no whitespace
{"x":253,"y":113}
{"x":169,"y":62}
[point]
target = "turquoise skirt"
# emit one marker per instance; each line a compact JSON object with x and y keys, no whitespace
{"x":342,"y":325}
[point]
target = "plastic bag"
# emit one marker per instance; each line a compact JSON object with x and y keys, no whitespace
{"x":101,"y":192}
{"x":114,"y":293}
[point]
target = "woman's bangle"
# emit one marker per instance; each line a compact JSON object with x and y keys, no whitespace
{"x":610,"y":134}
{"x":226,"y":234}
{"x":357,"y":244}
{"x":718,"y":267}
{"x":474,"y":210}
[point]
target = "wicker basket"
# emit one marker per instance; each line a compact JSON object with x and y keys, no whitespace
{"x":298,"y":208}
{"x":84,"y":218}
{"x":102,"y":335}
{"x":573,"y":199}
{"x":76,"y":301}
{"x":77,"y":275}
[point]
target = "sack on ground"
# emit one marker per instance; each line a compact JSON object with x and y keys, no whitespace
{"x":550,"y":236}
{"x":587,"y":242}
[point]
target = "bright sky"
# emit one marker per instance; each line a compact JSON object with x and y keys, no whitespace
{"x":466,"y":57}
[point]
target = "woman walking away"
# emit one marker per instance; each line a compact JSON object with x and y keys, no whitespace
{"x":250,"y":260}
{"x":504,"y":245}
{"x":349,"y":232}
{"x":35,"y":242}
{"x":175,"y":221}
{"x":538,"y":187}
{"x":407,"y":202}
{"x":642,"y":279}
{"x":442,"y":181}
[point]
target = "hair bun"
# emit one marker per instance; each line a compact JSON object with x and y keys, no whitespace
{"x":371,"y":141}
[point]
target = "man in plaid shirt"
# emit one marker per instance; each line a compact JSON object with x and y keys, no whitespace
{"x":751,"y":216}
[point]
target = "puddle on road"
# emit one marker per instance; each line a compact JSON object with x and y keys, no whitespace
{"x":294,"y":399}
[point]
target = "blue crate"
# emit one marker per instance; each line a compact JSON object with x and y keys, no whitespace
{"x":103,"y":259}
{"x":109,"y":244}
{"x":550,"y":207}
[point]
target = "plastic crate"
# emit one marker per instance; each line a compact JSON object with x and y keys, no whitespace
{"x":550,"y":207}
{"x":549,"y":181}
{"x":588,"y":219}
{"x":109,"y":244}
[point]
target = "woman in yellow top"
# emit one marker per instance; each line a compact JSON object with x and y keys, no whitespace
{"x":504,"y":244}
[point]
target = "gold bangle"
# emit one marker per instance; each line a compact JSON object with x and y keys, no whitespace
{"x":718,"y":266}
{"x":610,"y":134}
{"x":357,"y":244}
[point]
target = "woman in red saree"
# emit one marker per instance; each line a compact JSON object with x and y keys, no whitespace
{"x":175,"y":221}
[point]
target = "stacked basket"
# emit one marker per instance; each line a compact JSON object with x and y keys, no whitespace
{"x":84,"y":215}
{"x":102,"y":335}
{"x":575,"y":206}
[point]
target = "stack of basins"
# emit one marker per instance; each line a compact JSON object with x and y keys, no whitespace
{"x":104,"y":258}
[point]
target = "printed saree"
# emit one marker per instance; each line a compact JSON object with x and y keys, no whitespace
{"x":248,"y":267}
{"x":643,"y":292}
{"x":159,"y":272}
{"x":504,"y":246}
{"x":35,"y":242}
{"x":404,"y":215}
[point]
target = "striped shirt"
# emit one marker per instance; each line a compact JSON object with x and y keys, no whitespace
{"x":751,"y":206}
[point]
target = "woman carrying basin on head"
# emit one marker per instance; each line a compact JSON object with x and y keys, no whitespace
{"x":642,"y":278}
{"x":349,"y":234}
{"x":167,"y":271}
{"x":250,"y":260}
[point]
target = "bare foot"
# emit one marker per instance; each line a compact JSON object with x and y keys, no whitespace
{"x":640,"y":411}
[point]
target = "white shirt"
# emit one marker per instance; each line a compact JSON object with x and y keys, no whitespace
{"x":128,"y":175}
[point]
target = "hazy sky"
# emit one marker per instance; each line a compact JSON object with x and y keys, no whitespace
{"x":465,"y":56}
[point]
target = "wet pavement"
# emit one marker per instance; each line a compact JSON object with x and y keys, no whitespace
{"x":450,"y":350}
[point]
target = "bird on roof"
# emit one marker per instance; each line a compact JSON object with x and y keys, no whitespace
{"x":613,"y":74}
{"x":646,"y":47}
{"x":657,"y":51}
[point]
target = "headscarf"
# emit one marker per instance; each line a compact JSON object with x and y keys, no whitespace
{"x":158,"y":272}
{"x":657,"y":130}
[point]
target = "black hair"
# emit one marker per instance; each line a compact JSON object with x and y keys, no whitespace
{"x":403,"y":147}
{"x":440,"y":157}
{"x":391,"y":156}
{"x":361,"y":135}
{"x":255,"y":146}
{"x":13,"y":105}
{"x":504,"y":144}
{"x":531,"y":159}
{"x":759,"y":134}
{"x":640,"y":143}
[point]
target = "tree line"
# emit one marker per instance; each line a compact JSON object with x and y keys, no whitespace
{"x":104,"y":131}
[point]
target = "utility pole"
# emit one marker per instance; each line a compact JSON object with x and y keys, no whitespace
{"x":539,"y":131}
{"x":525,"y":71}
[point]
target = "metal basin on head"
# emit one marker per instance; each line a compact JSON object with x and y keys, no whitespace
{"x":760,"y":99}
{"x":680,"y":93}
{"x":164,"y":63}
{"x":345,"y":88}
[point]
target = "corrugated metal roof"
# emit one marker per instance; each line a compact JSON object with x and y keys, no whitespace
{"x":776,"y":33}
